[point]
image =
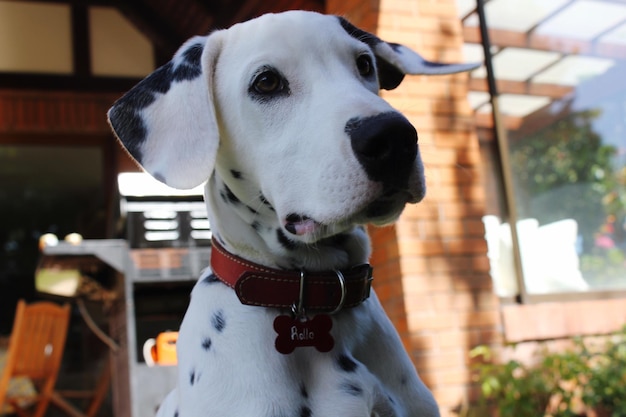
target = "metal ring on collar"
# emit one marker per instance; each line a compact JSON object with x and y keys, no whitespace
{"x":298,"y":309}
{"x":342,"y":284}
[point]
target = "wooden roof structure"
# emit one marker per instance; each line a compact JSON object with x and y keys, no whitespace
{"x":166,"y":23}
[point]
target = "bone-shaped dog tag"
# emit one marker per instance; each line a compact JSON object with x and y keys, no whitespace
{"x":294,"y":332}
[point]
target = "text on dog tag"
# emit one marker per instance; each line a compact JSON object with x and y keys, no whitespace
{"x":294,"y":332}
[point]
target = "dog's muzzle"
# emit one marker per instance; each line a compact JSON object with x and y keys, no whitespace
{"x":386,"y":147}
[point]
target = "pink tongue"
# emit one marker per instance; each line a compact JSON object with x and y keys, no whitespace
{"x":304,"y":226}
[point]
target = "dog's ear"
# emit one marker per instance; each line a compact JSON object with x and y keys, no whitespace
{"x":394,"y":61}
{"x":167,"y":122}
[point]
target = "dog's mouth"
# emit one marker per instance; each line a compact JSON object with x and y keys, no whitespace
{"x":299,"y":224}
{"x":382,"y":210}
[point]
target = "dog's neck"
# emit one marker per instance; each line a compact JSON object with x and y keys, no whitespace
{"x":245,"y":223}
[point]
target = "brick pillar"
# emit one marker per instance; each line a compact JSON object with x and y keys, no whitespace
{"x":431,"y":269}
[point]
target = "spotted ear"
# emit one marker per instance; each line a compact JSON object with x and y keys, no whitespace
{"x":394,"y":61}
{"x":167,"y":122}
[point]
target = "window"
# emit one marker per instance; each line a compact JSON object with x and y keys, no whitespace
{"x":554,"y":141}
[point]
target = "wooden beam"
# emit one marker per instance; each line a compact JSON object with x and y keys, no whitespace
{"x":247,"y":10}
{"x":508,"y":38}
{"x":48,"y":82}
{"x":80,"y":40}
{"x":484,"y":120}
{"x":69,"y":2}
{"x":554,"y":91}
{"x":227,"y":14}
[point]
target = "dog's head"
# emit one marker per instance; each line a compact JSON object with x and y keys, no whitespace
{"x":284,"y":108}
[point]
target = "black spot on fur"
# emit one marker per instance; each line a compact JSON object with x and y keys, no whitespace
{"x":125,"y":115}
{"x":403,"y":379}
{"x":159,"y":177}
{"x":211,"y":279}
{"x":395,"y":46}
{"x":351,"y":389}
{"x":190,"y":67}
{"x":143,"y":94}
{"x":186,"y":72}
{"x":192,"y":377}
{"x":359,"y":34}
{"x":228,"y":196}
{"x":251,"y":210}
{"x":218,"y":321}
{"x":256,"y":226}
{"x":389,"y":77}
{"x":285,"y":241}
{"x":127,"y":123}
{"x":176,"y":413}
{"x":206,"y":343}
{"x":346,"y":363}
{"x":305,"y":411}
{"x":265,"y":202}
{"x":159,"y":81}
{"x":236,"y":174}
{"x":303,"y":391}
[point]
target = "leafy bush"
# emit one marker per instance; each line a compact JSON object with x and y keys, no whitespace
{"x":589,"y":379}
{"x":605,"y":387}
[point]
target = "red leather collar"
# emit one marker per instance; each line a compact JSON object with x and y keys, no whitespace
{"x":258,"y":285}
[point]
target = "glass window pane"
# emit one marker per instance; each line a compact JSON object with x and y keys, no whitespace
{"x":563,"y":103}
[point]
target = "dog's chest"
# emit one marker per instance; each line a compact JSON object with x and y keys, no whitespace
{"x":228,"y":364}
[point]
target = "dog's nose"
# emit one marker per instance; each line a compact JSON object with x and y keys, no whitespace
{"x":386,"y":146}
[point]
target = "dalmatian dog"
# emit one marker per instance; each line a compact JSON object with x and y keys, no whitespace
{"x":280,"y":117}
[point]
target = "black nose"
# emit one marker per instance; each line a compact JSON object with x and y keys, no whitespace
{"x":386,"y":147}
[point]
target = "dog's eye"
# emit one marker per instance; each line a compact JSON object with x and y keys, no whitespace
{"x":364,"y":65}
{"x":268,"y":82}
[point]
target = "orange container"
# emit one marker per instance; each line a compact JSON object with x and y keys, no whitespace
{"x":162,"y":350}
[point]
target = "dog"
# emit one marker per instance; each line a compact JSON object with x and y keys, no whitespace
{"x":281,"y":117}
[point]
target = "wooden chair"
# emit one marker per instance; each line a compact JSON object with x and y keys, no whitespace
{"x":95,"y":396}
{"x":35,"y":351}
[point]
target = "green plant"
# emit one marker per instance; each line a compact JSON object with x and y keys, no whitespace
{"x":559,"y":384}
{"x":512,"y":388}
{"x":606,"y":385}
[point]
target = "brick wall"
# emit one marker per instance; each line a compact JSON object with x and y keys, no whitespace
{"x":431,"y":269}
